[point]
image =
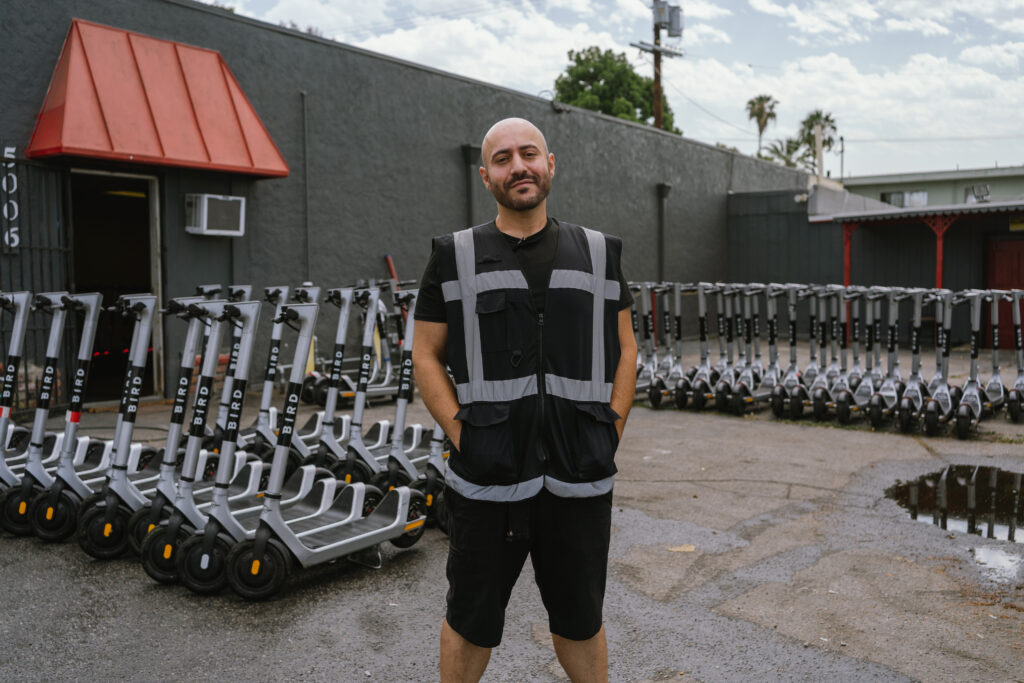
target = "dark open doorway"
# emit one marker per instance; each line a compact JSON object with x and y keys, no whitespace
{"x":111,"y":234}
{"x":1005,"y":270}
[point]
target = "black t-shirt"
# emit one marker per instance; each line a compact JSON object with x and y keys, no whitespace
{"x":536,"y":257}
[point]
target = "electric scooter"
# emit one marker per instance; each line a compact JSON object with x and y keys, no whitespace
{"x":802,"y":396}
{"x":19,"y":305}
{"x":884,"y":402}
{"x":697,"y":383}
{"x":941,"y":404}
{"x":771,"y":376}
{"x":791,"y":378}
{"x":971,"y":408}
{"x":915,"y":392}
{"x":1015,"y":395}
{"x":257,"y":568}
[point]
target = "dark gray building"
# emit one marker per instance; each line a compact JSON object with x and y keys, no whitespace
{"x":381,"y":155}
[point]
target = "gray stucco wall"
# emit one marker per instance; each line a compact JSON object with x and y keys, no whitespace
{"x":375,"y":151}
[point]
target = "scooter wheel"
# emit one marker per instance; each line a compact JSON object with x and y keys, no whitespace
{"x":737,"y":406}
{"x":681,"y":393}
{"x":258,"y":578}
{"x":655,"y":393}
{"x":796,"y":404}
{"x":931,"y":418}
{"x":320,"y":391}
{"x":14,"y":504}
{"x":159,"y":553}
{"x":820,"y":408}
{"x":1013,"y":408}
{"x":779,"y":401}
{"x":875,"y":411}
{"x":200,"y":571}
{"x":963,"y":422}
{"x":306,"y":392}
{"x":56,"y":521}
{"x":722,"y":397}
{"x":700,"y":392}
{"x":955,"y":393}
{"x":415,"y":521}
{"x":102,"y":539}
{"x":140,"y":524}
{"x":905,"y":415}
{"x":843,"y":412}
{"x":371,"y":499}
{"x":360,"y":472}
{"x":380,"y":480}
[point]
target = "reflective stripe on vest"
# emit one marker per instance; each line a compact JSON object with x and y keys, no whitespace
{"x":470,"y":284}
{"x":508,"y":493}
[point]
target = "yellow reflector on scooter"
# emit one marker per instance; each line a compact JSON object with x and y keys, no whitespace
{"x":168,"y":549}
{"x":255,"y":567}
{"x":107,"y":528}
{"x":22,"y":506}
{"x":415,"y":525}
{"x":49,"y":514}
{"x":348,"y":478}
{"x":150,"y":528}
{"x":390,"y":489}
{"x":430,"y":499}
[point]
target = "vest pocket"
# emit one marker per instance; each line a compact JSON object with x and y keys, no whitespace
{"x":491,"y":312}
{"x":596,"y":439}
{"x":487,"y":446}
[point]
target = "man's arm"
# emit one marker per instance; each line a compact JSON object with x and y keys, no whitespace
{"x":436,"y":388}
{"x":624,"y":386}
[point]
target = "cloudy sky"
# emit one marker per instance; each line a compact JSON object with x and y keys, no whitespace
{"x":914,"y":85}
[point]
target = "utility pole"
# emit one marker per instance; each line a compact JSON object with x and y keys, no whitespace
{"x":671,"y":18}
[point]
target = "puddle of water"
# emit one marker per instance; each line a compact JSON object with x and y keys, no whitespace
{"x":966,"y":498}
{"x":1003,"y":565}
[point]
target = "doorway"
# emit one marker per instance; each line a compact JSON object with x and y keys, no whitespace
{"x":115,"y":250}
{"x":1005,"y":270}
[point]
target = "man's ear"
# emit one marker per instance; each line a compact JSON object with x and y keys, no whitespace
{"x":485,"y":177}
{"x":551,"y":164}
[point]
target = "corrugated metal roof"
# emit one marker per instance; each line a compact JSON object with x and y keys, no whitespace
{"x":130,"y":97}
{"x":896,"y":213}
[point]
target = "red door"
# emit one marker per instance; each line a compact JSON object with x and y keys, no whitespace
{"x":1005,"y":271}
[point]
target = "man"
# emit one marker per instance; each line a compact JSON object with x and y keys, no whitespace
{"x":532,"y":317}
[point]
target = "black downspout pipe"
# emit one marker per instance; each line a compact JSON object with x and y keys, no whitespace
{"x":663,"y":190}
{"x":471,"y":157}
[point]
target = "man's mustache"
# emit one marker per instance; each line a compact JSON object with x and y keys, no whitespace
{"x":522,"y":176}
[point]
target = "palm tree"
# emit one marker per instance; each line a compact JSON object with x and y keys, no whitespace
{"x":789,"y":152}
{"x":762,"y":110}
{"x":828,"y":129}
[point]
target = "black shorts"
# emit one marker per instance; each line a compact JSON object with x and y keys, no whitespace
{"x":567,"y":541}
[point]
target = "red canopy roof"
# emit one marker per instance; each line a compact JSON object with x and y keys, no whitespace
{"x":125,"y":96}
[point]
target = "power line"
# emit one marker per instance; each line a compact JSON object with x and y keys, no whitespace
{"x":700,"y":106}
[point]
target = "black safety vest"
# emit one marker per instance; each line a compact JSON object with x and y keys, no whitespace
{"x":534,"y":389}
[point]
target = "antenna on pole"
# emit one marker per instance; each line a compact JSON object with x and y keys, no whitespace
{"x":665,"y":17}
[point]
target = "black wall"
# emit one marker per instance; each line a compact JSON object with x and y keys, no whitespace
{"x":375,"y":147}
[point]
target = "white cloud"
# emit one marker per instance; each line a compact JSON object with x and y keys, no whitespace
{"x":578,"y":6}
{"x":702,"y":9}
{"x":769,"y":7}
{"x":703,"y":34}
{"x":927,"y":27}
{"x":1005,"y":56}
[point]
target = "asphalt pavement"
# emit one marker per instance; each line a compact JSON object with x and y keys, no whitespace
{"x":742,"y":549}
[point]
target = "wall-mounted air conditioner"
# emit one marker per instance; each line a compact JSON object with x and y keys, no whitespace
{"x":215,"y":215}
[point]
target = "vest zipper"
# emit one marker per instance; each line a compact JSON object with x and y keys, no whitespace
{"x":540,"y":380}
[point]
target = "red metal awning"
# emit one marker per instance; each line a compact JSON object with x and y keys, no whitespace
{"x":129,"y":97}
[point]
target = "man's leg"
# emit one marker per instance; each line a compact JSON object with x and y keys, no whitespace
{"x":461,"y":660}
{"x":586,"y":661}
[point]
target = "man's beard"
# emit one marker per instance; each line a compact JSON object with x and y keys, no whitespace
{"x":507,"y":196}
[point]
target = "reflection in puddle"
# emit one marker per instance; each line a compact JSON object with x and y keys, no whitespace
{"x":1002,"y":564}
{"x":965,"y":498}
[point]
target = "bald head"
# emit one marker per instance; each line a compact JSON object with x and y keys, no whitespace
{"x":508,"y":134}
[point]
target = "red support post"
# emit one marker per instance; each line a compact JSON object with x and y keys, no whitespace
{"x":939,"y":225}
{"x":848,"y":230}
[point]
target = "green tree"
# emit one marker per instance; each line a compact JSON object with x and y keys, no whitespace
{"x":762,"y":110}
{"x":789,"y":152}
{"x":806,"y":135}
{"x":601,"y":80}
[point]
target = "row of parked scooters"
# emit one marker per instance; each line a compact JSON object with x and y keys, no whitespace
{"x":840,"y":317}
{"x":222,"y":505}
